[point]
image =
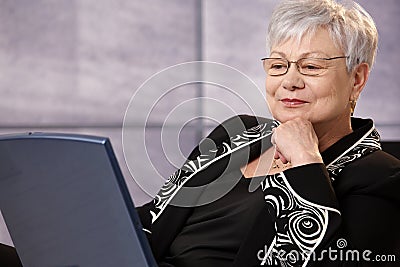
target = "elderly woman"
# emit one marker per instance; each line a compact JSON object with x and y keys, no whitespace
{"x":331,"y":195}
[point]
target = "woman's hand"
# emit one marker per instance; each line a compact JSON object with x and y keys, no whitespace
{"x":296,"y":142}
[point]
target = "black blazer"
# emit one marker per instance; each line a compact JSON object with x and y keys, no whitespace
{"x":354,"y":194}
{"x":9,"y":257}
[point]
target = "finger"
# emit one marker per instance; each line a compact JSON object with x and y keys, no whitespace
{"x":279,"y":155}
{"x":282,"y":158}
{"x":273,"y":137}
{"x":276,"y":153}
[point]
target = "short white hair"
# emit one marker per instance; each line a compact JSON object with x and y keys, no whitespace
{"x":351,"y":28}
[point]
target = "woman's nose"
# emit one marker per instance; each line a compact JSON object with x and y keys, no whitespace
{"x":293,"y":79}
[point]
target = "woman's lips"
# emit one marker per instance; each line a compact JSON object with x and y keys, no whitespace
{"x":293,"y":102}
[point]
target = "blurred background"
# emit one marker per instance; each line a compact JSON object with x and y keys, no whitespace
{"x":72,"y":66}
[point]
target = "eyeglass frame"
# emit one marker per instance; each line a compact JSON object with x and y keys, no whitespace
{"x":297,"y":66}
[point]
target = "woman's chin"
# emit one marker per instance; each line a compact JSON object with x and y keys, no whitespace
{"x":287,"y":117}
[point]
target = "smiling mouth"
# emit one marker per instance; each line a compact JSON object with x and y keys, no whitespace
{"x":293,"y":102}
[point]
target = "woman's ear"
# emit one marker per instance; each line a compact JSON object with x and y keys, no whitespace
{"x":360,"y":76}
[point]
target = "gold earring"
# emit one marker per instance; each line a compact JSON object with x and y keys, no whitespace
{"x":352,"y":106}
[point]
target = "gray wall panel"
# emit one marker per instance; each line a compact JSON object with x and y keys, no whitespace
{"x":390,"y":132}
{"x":381,"y":96}
{"x":79,"y":62}
{"x":234,"y":34}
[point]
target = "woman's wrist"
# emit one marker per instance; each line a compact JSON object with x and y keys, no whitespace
{"x":306,"y":157}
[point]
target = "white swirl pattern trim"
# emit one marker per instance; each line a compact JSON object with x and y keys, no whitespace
{"x":369,"y":143}
{"x":192,"y":167}
{"x":300,"y":224}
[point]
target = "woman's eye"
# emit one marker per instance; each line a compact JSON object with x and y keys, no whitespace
{"x":312,"y":67}
{"x":277,"y":66}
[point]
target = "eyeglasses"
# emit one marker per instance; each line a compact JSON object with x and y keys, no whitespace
{"x":306,"y":66}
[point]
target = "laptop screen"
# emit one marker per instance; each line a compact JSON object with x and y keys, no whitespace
{"x":65,"y":202}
